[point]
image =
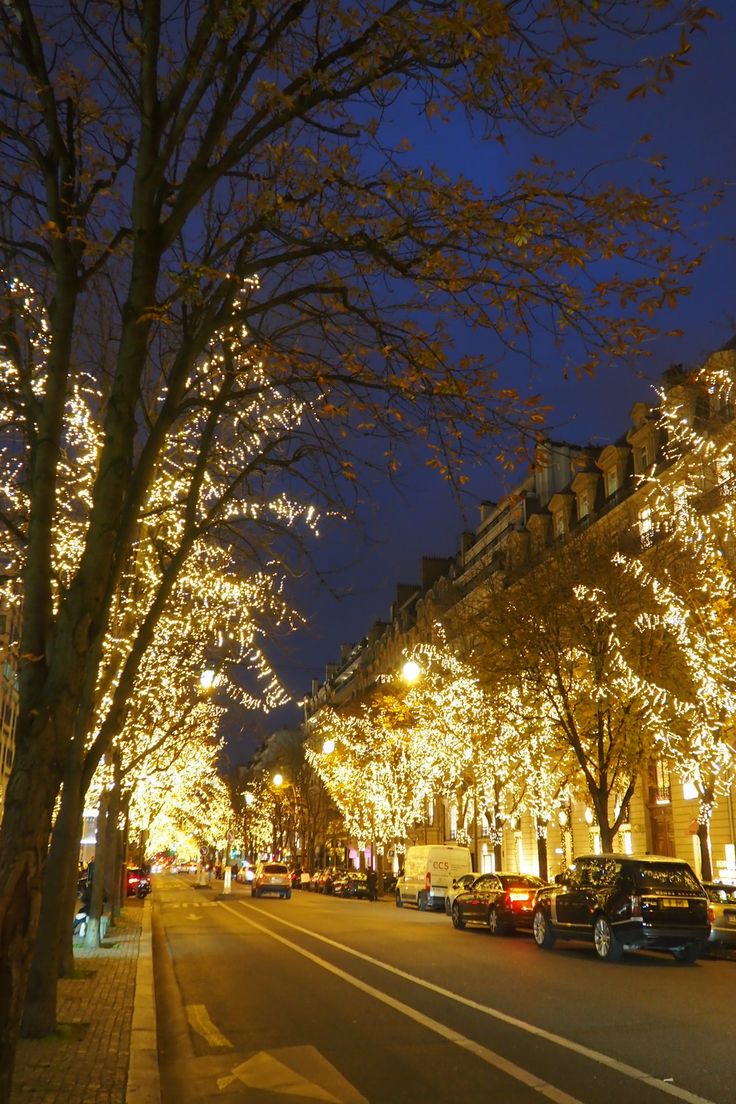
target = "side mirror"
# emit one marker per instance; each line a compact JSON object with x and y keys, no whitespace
{"x":560,"y":879}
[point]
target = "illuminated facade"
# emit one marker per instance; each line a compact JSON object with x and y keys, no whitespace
{"x":571,"y":493}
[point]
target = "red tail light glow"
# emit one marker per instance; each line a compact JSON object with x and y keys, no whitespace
{"x":428,"y":881}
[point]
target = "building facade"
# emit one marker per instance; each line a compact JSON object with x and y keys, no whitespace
{"x":572,"y":493}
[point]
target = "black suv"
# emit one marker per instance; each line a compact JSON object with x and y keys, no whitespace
{"x":625,"y":901}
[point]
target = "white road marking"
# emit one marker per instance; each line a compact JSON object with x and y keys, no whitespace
{"x":490,"y":1057}
{"x":201,"y":1023}
{"x":296,"y":1071}
{"x":549,"y":1036}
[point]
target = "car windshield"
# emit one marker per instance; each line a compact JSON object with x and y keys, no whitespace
{"x":667,"y":876}
{"x":274,"y":868}
{"x":722,"y":894}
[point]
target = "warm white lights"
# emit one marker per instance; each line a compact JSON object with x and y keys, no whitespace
{"x":411,"y":671}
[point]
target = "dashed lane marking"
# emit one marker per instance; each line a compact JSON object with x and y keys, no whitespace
{"x":200,"y":1022}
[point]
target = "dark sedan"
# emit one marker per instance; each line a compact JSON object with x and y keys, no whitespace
{"x":352,"y":883}
{"x":501,"y":902}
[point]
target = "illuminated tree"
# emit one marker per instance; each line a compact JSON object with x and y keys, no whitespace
{"x":567,"y":637}
{"x":373,"y":770}
{"x":239,"y":256}
{"x":687,"y":574}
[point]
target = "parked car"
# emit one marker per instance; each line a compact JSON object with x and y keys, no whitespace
{"x":271,"y":877}
{"x":429,"y":870}
{"x":721,"y":913}
{"x":457,"y":886}
{"x":137,"y":882}
{"x":324,"y":880}
{"x":351,"y":883}
{"x":628,"y":902}
{"x":389,"y":882}
{"x":501,"y":902}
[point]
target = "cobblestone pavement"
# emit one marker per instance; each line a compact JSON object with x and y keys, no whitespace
{"x":105,"y":1026}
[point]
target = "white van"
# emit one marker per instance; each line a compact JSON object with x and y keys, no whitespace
{"x":428,"y":874}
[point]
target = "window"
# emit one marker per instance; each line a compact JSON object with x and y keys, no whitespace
{"x":689,"y":791}
{"x":583,"y":505}
{"x":643,"y":458}
{"x":559,"y":524}
{"x":724,"y":471}
{"x":646,"y":525}
{"x":611,"y":482}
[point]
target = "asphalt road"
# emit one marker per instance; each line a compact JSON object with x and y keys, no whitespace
{"x":323,"y":999}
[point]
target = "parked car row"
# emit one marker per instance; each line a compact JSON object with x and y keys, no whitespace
{"x":616,"y":902}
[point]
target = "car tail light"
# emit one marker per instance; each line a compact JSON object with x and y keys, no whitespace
{"x":711,"y":914}
{"x":636,"y":906}
{"x":427,"y":881}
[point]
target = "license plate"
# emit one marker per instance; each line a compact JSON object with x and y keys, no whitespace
{"x":673,"y":902}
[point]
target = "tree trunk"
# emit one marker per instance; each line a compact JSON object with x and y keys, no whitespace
{"x":53,"y":955}
{"x":24,"y":840}
{"x":706,"y":864}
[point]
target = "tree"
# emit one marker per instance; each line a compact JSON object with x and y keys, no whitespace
{"x":372,"y":765}
{"x":232,"y":245}
{"x":687,"y":574}
{"x":568,"y":639}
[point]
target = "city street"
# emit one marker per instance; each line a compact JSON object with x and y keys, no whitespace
{"x":337,"y":1000}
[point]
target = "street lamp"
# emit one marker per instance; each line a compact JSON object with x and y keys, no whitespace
{"x":328,"y":746}
{"x":411,"y":671}
{"x":207,"y":679}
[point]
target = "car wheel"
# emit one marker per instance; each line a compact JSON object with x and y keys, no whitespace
{"x":422,"y":901}
{"x":399,"y":902}
{"x":457,"y":917}
{"x":688,"y":954}
{"x":494,"y":923}
{"x":606,"y":944}
{"x":543,"y":934}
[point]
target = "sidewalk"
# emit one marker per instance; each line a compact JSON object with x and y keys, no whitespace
{"x":104,"y":1049}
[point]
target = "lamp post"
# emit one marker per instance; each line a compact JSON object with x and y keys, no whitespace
{"x":227,"y":872}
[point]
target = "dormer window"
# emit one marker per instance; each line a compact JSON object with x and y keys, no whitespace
{"x":611,"y":482}
{"x":559,"y":525}
{"x":583,"y":505}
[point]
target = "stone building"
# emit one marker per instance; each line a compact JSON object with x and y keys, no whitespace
{"x":571,"y":493}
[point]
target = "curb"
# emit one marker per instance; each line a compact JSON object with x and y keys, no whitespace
{"x":144,"y":1082}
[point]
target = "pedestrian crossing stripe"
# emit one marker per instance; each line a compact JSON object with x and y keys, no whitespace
{"x":188,"y":904}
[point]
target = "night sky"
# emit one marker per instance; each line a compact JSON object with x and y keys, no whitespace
{"x":362,"y":561}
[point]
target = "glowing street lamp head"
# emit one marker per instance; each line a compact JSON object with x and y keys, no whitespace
{"x":411,"y":671}
{"x":278,"y":779}
{"x":328,"y":747}
{"x":207,"y":679}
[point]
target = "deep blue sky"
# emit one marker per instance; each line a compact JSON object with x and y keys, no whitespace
{"x":693,"y":125}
